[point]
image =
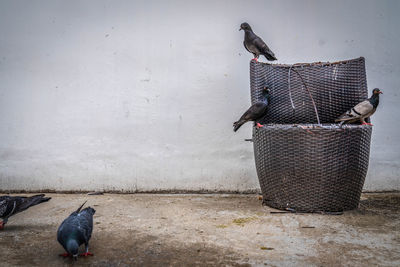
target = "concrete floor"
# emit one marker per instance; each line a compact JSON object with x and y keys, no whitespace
{"x":228,"y":230}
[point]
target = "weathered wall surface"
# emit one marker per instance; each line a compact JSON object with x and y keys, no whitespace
{"x":141,"y":95}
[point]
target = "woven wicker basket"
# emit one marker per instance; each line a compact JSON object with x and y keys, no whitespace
{"x":304,"y":165}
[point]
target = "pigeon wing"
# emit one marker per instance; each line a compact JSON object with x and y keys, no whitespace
{"x":254,"y":112}
{"x":86,"y":223}
{"x":361,"y":110}
{"x":24,"y":203}
{"x":12,"y":205}
{"x":264,"y":49}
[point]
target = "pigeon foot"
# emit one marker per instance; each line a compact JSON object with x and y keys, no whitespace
{"x":86,"y":254}
{"x":65,"y":255}
{"x":256,"y":59}
{"x":1,"y":225}
{"x":367,"y":123}
{"x":259,"y":125}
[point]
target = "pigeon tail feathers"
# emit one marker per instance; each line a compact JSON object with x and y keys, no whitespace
{"x":32,"y":201}
{"x":238,"y":124}
{"x":79,"y":209}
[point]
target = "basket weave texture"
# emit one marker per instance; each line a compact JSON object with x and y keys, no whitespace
{"x":301,"y":165}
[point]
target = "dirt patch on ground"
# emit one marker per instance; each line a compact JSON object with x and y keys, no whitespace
{"x":127,"y":248}
{"x":206,"y":230}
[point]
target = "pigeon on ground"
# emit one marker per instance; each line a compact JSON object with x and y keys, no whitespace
{"x":362,"y":110}
{"x":255,"y":112}
{"x":255,"y":44}
{"x":12,"y":205}
{"x":75,"y":231}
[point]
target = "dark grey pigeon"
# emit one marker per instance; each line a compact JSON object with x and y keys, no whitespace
{"x":75,"y":231}
{"x":255,"y":112}
{"x":255,"y":44}
{"x":362,"y":110}
{"x":13,"y":205}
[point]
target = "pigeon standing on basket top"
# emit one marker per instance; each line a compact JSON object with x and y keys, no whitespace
{"x":255,"y":112}
{"x":255,"y":44}
{"x":13,"y":205}
{"x":75,"y":231}
{"x":362,"y":110}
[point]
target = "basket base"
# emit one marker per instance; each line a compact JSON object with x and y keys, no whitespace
{"x":312,"y":168}
{"x":292,"y":209}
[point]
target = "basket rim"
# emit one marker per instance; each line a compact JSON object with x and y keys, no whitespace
{"x":313,"y":126}
{"x":302,"y":64}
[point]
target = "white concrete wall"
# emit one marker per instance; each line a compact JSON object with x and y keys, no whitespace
{"x":141,"y":95}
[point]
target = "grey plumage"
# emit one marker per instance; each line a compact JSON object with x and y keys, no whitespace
{"x":255,"y":112}
{"x":10,"y":205}
{"x":255,"y":44}
{"x":362,"y":110}
{"x":76,"y":230}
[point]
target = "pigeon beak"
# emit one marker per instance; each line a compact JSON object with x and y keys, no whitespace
{"x":240,"y":29}
{"x":380,"y":92}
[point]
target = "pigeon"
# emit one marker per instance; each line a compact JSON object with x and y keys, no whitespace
{"x":75,"y":231}
{"x":362,"y":110}
{"x":12,"y":205}
{"x":255,"y":44}
{"x":255,"y":112}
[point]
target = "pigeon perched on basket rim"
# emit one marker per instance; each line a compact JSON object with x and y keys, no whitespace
{"x":255,"y":44}
{"x":10,"y":205}
{"x":256,"y":112}
{"x":75,"y":231}
{"x":362,"y":110}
